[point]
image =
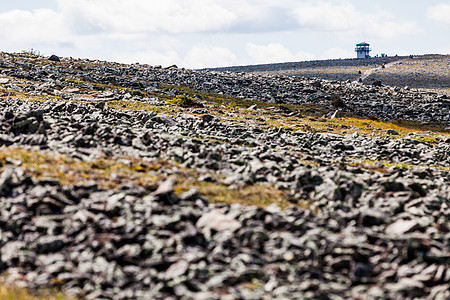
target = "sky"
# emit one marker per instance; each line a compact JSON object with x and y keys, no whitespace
{"x":213,"y":33}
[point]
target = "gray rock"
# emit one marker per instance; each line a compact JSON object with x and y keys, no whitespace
{"x":177,"y":269}
{"x":163,"y":119}
{"x":402,"y":226}
{"x":50,"y":244}
{"x":54,"y":58}
{"x":392,"y":132}
{"x":218,"y":221}
{"x":336,"y":114}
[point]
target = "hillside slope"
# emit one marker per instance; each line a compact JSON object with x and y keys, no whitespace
{"x":134,"y":182}
{"x":430,"y":72}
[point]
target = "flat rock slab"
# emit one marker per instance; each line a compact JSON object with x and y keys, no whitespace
{"x":218,"y":221}
{"x":400,"y":227}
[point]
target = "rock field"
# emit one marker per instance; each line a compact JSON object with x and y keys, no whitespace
{"x":368,"y":214}
{"x":429,"y":72}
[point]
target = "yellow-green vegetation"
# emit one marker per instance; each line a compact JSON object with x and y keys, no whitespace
{"x":11,"y":292}
{"x":84,"y":86}
{"x":71,"y":171}
{"x":307,"y":117}
{"x":381,"y":166}
{"x":24,"y":96}
{"x":345,"y":125}
{"x":219,"y":99}
{"x":184,"y":101}
{"x":137,"y":105}
{"x":305,"y":121}
{"x":259,"y":195}
{"x":111,"y":173}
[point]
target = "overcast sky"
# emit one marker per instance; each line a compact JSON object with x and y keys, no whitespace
{"x":208,"y":33}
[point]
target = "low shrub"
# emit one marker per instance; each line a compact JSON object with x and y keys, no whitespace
{"x":184,"y":101}
{"x":336,"y":101}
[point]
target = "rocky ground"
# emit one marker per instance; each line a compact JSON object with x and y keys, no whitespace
{"x":135,"y":182}
{"x":337,"y":69}
{"x":426,"y":72}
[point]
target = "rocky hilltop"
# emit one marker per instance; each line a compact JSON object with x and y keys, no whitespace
{"x":429,"y":72}
{"x":139,"y":182}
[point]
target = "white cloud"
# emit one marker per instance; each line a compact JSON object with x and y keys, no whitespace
{"x":326,"y":16}
{"x":38,"y":26}
{"x":275,"y":52}
{"x":342,"y":18}
{"x":337,"y":53}
{"x":383,"y":25}
{"x":202,"y":56}
{"x":180,"y":31}
{"x":250,"y":16}
{"x":169,"y":16}
{"x":84,"y":17}
{"x":440,"y":13}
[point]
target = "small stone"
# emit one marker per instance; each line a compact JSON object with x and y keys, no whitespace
{"x":191,"y":195}
{"x":401,"y":227}
{"x":372,"y":218}
{"x":163,"y":119}
{"x":392,"y":132}
{"x":288,"y":256}
{"x":54,"y":58}
{"x":207,"y":118}
{"x":362,"y":270}
{"x":50,"y":244}
{"x":377,"y":83}
{"x":177,"y":269}
{"x":100,"y":104}
{"x":336,"y":114}
{"x":5,"y":179}
{"x":164,"y":188}
{"x":6,"y":140}
{"x":341,"y":262}
{"x":218,"y":221}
